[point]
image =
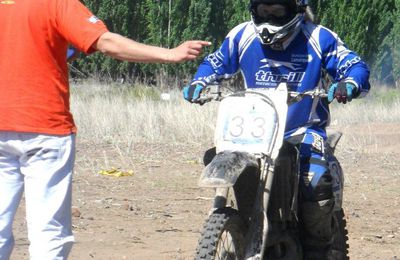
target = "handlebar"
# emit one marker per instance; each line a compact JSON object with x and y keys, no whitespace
{"x":313,"y":93}
{"x":214,"y":93}
{"x":210,"y":93}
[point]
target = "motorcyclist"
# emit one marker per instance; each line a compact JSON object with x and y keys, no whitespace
{"x":282,"y":44}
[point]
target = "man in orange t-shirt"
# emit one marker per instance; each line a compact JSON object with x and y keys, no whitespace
{"x":37,"y":131}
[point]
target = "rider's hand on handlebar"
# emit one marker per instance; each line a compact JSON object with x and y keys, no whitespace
{"x":192,"y":93}
{"x":342,"y":91}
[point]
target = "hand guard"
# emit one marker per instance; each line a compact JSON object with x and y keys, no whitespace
{"x":192,"y":93}
{"x":342,"y":91}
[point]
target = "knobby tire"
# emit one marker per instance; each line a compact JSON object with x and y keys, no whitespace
{"x":219,"y":224}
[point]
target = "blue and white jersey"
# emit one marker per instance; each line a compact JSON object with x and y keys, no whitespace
{"x":310,"y":50}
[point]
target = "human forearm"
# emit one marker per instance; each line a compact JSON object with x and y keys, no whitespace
{"x":122,"y":48}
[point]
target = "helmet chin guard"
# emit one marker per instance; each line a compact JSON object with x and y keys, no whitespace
{"x":270,"y":34}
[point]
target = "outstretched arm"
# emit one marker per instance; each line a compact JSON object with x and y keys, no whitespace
{"x":122,"y":48}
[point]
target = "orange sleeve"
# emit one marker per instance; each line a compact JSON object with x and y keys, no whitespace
{"x":77,"y":24}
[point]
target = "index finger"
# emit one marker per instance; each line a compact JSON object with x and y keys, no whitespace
{"x":202,"y":43}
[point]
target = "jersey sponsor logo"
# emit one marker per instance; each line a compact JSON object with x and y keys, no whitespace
{"x":9,"y":2}
{"x":343,"y":69}
{"x":215,"y":59}
{"x":93,"y":19}
{"x":268,"y":79}
{"x":276,"y":64}
{"x":206,"y":80}
{"x":302,"y":58}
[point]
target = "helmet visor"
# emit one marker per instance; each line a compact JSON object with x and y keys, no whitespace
{"x":273,"y":14}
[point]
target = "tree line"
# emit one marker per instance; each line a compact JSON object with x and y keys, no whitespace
{"x":371,"y":28}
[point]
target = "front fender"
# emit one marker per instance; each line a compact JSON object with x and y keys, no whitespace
{"x":225,"y":169}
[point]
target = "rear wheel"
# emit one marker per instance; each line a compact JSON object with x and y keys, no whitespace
{"x":340,"y":247}
{"x":222,"y":236}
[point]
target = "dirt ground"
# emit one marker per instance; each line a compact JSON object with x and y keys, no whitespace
{"x":158,"y":212}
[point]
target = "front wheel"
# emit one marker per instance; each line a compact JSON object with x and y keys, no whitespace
{"x":222,"y":236}
{"x":340,"y":247}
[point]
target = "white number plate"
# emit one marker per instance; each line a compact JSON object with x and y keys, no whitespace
{"x":245,"y":124}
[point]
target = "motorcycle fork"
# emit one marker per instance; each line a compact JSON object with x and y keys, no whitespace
{"x":256,"y":247}
{"x":224,"y":197}
{"x":221,"y":198}
{"x":268,"y":171}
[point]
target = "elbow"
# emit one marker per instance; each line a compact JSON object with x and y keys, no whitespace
{"x":107,"y":44}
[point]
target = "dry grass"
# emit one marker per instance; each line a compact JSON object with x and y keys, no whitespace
{"x":122,"y":114}
{"x":381,"y":106}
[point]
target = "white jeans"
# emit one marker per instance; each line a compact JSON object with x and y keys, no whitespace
{"x":41,"y":166}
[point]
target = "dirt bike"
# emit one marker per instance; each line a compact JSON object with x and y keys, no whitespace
{"x":255,"y":174}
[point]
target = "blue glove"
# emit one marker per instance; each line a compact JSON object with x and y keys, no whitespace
{"x":192,"y":93}
{"x":343,"y":92}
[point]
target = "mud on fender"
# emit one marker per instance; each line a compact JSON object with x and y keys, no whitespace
{"x":225,"y":169}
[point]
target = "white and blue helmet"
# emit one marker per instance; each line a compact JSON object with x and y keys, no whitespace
{"x":272,"y":29}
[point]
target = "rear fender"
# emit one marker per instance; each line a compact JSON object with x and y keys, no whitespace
{"x":225,"y":169}
{"x":333,"y":139}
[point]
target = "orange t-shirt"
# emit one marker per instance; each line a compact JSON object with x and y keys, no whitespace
{"x":34,"y":36}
